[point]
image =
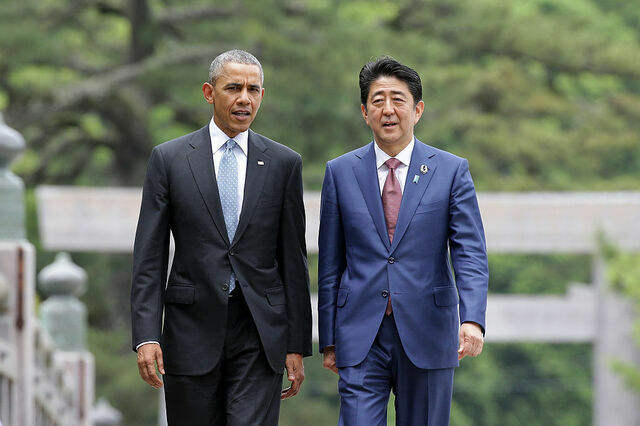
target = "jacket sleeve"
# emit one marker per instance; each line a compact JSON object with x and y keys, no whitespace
{"x":331,"y":259}
{"x":292,"y":264}
{"x":468,"y":248}
{"x":150,"y":254}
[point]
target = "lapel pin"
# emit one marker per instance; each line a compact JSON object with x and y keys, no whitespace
{"x":415,"y":179}
{"x":260,"y":163}
{"x":424,"y":169}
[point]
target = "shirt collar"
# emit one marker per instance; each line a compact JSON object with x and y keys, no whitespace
{"x":404,"y":156}
{"x":219,"y":138}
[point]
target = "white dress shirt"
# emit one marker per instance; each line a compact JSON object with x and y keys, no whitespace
{"x":218,"y":140}
{"x":403,"y":156}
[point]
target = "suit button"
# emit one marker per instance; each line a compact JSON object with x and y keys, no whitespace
{"x":385,"y":293}
{"x":391,"y":260}
{"x":233,"y":252}
{"x":225,"y":287}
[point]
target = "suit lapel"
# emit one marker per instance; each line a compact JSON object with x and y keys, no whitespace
{"x":367,"y":176}
{"x":257,"y":167}
{"x":413,"y":191}
{"x":201,"y":164}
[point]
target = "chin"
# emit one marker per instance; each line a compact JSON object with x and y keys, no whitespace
{"x":240,"y":129}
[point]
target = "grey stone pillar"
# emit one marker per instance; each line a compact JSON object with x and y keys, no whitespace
{"x":614,"y":403}
{"x":11,"y":186}
{"x":105,"y":415}
{"x":17,"y":267}
{"x":63,"y":316}
{"x":64,"y":319}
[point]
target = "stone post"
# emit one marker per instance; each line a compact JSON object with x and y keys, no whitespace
{"x":105,"y":415}
{"x":11,"y":186}
{"x":614,"y":402}
{"x":17,"y":266}
{"x":64,"y":318}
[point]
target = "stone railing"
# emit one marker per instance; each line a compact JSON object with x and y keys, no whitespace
{"x":46,"y":373}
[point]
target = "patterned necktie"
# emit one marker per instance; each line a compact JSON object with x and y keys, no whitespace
{"x":228,"y":189}
{"x":391,"y":199}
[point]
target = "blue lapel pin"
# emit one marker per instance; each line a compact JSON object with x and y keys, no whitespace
{"x":415,"y":178}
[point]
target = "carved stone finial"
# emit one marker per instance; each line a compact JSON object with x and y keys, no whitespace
{"x":11,"y":186}
{"x":62,"y":277}
{"x":62,"y":314}
{"x":11,"y":144}
{"x":103,"y":414}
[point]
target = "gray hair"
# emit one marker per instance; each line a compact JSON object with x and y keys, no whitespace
{"x":232,"y":56}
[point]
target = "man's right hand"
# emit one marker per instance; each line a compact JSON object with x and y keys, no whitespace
{"x":148,"y":355}
{"x":329,"y":359}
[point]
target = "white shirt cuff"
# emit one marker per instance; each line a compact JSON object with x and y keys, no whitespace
{"x":146,"y":343}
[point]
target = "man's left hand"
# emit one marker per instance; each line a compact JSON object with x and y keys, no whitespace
{"x":471,"y":340}
{"x":295,"y":374}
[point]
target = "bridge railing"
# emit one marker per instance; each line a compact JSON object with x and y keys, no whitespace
{"x":46,"y":373}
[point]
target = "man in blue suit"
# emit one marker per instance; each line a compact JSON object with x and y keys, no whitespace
{"x":403,"y":271}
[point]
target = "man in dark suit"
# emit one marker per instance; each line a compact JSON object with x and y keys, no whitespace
{"x":398,"y":220}
{"x":235,"y":309}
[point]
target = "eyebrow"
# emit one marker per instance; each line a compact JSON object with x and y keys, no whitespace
{"x":393,"y":92}
{"x":251,"y":86}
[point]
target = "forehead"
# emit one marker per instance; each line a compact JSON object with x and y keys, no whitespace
{"x":240,"y":73}
{"x":388,"y":84}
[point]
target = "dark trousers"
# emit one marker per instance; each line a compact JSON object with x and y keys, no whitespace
{"x":423,"y":397}
{"x":242,"y":390}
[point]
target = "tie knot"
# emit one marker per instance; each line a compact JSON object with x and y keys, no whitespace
{"x":230,"y":144}
{"x":392,"y":163}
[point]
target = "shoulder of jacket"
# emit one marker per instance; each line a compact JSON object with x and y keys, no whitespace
{"x":442,"y":154}
{"x":349,"y":157}
{"x":280,"y":150}
{"x":181,"y":142}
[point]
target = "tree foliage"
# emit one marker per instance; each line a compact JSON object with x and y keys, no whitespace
{"x":539,"y":94}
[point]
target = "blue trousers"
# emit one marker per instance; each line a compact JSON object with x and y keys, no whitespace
{"x":423,"y":397}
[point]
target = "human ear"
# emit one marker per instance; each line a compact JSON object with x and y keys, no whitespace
{"x":207,"y":92}
{"x":419,"y":110}
{"x":364,"y":114}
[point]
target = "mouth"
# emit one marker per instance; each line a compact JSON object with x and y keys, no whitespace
{"x":389,"y":124}
{"x":242,"y":114}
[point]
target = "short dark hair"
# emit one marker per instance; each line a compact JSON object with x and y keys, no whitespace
{"x":389,"y":67}
{"x":232,"y":56}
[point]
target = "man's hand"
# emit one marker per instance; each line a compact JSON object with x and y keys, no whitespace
{"x":329,"y":359}
{"x":148,"y":355}
{"x":295,"y":374}
{"x":471,"y":340}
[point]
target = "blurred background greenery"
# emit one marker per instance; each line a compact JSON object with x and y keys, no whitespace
{"x":537,"y":94}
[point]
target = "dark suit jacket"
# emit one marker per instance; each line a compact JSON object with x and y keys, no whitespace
{"x":439,"y":229}
{"x":268,"y":254}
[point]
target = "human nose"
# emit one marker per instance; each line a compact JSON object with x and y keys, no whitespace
{"x":387,"y":107}
{"x":244,"y":97}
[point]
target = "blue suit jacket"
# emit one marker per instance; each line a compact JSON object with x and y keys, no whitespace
{"x":439,"y":233}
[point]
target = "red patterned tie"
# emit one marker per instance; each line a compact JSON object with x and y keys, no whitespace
{"x":391,"y":199}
